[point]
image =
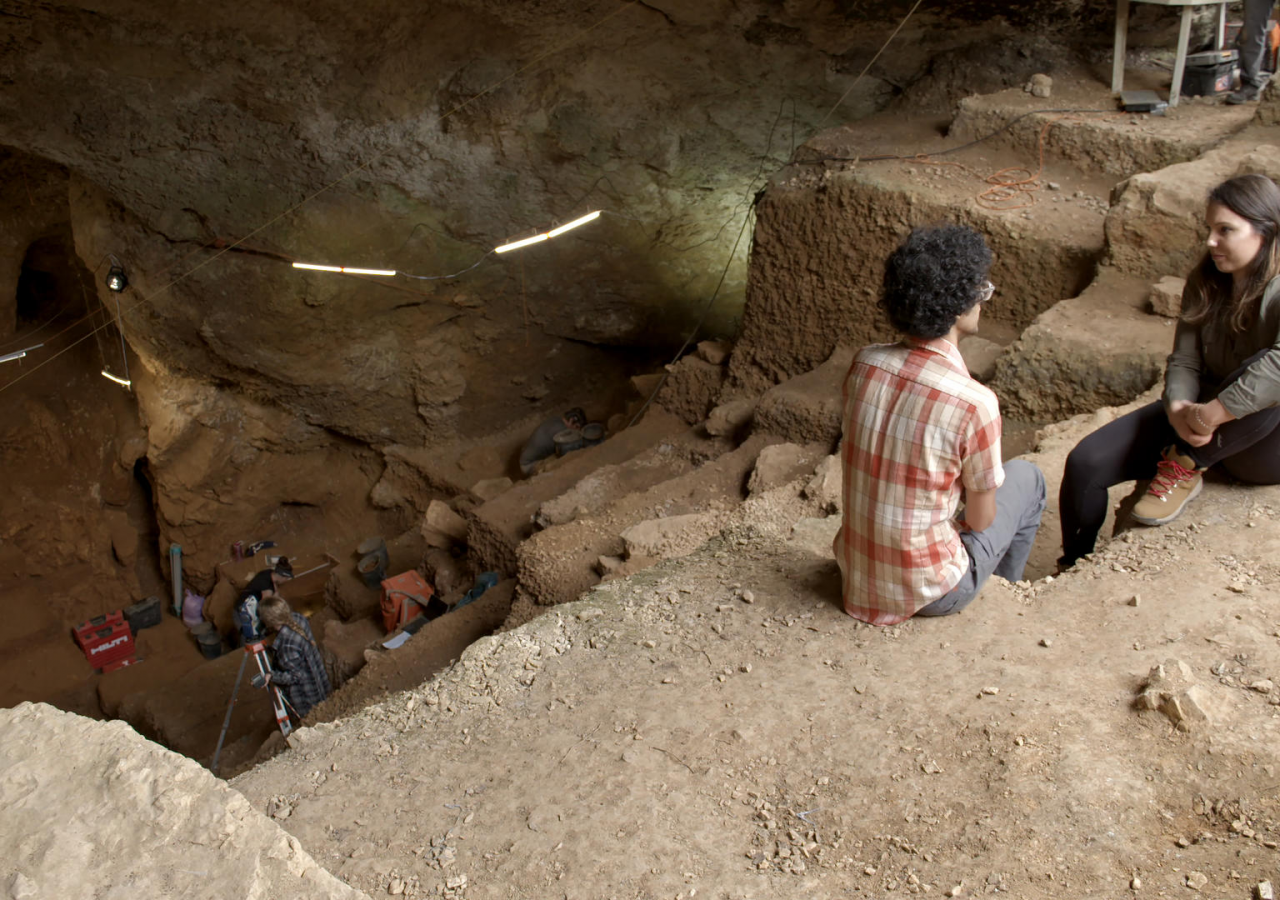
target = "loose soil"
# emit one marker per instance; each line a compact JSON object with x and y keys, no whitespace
{"x":717,"y":727}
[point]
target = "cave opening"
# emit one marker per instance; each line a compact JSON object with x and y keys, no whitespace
{"x":51,"y":282}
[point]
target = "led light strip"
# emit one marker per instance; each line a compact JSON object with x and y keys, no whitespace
{"x":548,"y":235}
{"x":128,"y":384}
{"x":346,"y":270}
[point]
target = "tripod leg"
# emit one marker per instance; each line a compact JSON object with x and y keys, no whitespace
{"x":226,"y":721}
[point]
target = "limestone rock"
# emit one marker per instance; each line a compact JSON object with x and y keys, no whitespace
{"x":124,"y":537}
{"x":1040,"y":85}
{"x":160,"y":823}
{"x":727,"y":418}
{"x":806,"y":408}
{"x":1172,"y":689}
{"x":776,"y":465}
{"x":670,"y":537}
{"x":219,"y":604}
{"x":714,"y":352}
{"x":488,"y":488}
{"x":827,"y":485}
{"x":442,"y":527}
{"x":386,"y":494}
{"x":445,"y":573}
{"x":980,"y":356}
{"x":691,"y":387}
{"x":646,"y":384}
{"x":1166,"y":296}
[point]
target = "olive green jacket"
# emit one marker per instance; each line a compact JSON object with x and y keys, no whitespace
{"x":1203,"y":355}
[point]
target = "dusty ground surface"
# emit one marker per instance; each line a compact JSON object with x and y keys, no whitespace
{"x":718,"y":725}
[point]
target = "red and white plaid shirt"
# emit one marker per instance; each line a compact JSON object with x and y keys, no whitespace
{"x":917,"y":426}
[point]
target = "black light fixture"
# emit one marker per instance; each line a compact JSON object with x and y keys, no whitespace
{"x":116,"y":279}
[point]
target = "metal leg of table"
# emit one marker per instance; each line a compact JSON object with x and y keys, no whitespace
{"x":1180,"y":62}
{"x":1121,"y":44}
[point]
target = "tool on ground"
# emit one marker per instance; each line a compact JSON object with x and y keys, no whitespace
{"x":175,"y":570}
{"x":258,"y":650}
{"x":1142,"y":102}
{"x":107,"y":641}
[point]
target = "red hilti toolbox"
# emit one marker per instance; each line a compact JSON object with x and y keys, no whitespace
{"x":105,"y":639}
{"x":84,"y":631}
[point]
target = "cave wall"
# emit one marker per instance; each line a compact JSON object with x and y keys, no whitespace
{"x":206,"y":146}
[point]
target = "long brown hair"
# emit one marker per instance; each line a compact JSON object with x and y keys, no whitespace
{"x":276,"y":614}
{"x":1208,"y":294}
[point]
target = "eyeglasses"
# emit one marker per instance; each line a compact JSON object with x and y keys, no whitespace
{"x":986,"y":291}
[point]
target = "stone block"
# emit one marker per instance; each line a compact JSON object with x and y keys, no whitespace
{"x":1040,"y":86}
{"x":124,"y":537}
{"x":714,"y":352}
{"x":806,"y":408}
{"x":728,"y":418}
{"x":669,"y":537}
{"x":777,"y":465}
{"x":826,"y":488}
{"x":1166,"y":296}
{"x":1172,"y":689}
{"x":442,"y":527}
{"x":980,"y":356}
{"x":488,"y":488}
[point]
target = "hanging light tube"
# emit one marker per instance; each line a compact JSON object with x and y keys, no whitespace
{"x":126,"y":383}
{"x":18,"y":354}
{"x":556,"y":232}
{"x":547,"y":235}
{"x":536,"y":239}
{"x":346,"y":270}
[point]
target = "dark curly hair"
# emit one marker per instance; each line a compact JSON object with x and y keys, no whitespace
{"x":933,"y":278}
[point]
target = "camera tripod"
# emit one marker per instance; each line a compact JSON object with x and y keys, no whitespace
{"x":258,"y":650}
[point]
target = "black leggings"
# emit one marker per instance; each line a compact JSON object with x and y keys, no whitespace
{"x":1129,"y":448}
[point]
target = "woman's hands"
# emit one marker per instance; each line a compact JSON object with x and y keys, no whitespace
{"x":1196,"y":422}
{"x":1182,"y":418}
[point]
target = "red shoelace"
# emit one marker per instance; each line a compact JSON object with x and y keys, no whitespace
{"x":1169,"y":474}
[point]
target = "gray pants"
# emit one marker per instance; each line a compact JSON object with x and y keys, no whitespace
{"x":1253,"y":37}
{"x":1005,"y":545}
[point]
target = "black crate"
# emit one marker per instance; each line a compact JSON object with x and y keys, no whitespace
{"x":144,"y":614}
{"x":1203,"y":81}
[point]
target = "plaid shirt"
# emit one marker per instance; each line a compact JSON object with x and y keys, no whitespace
{"x":916,"y":427}
{"x":299,"y":668}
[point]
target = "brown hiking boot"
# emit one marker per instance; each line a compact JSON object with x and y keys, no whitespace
{"x":1177,"y":481}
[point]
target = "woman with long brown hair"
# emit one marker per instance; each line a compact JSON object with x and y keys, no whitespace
{"x":1221,"y":399}
{"x":299,"y":668}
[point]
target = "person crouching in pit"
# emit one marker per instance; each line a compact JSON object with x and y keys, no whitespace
{"x":299,"y":668}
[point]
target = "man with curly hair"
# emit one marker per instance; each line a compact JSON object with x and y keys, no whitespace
{"x":920,"y":436}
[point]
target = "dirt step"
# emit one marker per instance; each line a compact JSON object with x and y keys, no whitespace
{"x":1102,"y":348}
{"x":824,"y":231}
{"x":496,"y":528}
{"x":1157,"y":227}
{"x":557,"y":564}
{"x":1114,"y":142}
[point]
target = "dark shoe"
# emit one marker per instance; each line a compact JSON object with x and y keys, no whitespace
{"x":1248,"y":93}
{"x":1176,"y":484}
